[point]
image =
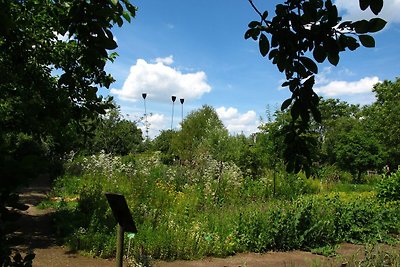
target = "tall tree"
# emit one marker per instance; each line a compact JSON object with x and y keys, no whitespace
{"x":201,"y":131}
{"x":353,"y":148}
{"x":382,"y":119}
{"x":52,"y":59}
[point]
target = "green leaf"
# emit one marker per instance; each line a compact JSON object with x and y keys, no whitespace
{"x":286,"y":104}
{"x":376,"y":6}
{"x":126,"y":16}
{"x":114,"y":2}
{"x":364,"y":4}
{"x":376,"y":24}
{"x":367,"y":40}
{"x":309,"y":64}
{"x":264,"y":45}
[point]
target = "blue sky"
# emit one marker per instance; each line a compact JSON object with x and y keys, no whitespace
{"x":196,"y":51}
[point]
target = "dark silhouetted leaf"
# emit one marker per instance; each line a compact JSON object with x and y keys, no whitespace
{"x":364,"y":4}
{"x":367,"y":40}
{"x":352,"y":43}
{"x":265,"y":15}
{"x":376,"y":24}
{"x":309,"y":64}
{"x":254,"y":24}
{"x":316,"y":114}
{"x":376,"y":6}
{"x":361,"y":26}
{"x":295,"y":110}
{"x":319,"y":54}
{"x":333,"y":58}
{"x":264,"y":45}
{"x":286,"y":104}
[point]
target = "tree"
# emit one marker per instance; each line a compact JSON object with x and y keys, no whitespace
{"x":382,"y":119}
{"x":299,"y":29}
{"x":201,"y":131}
{"x":353,"y":148}
{"x":163,"y":143}
{"x":38,"y":39}
{"x":116,"y":135}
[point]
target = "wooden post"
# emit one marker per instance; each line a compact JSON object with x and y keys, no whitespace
{"x":120,"y":246}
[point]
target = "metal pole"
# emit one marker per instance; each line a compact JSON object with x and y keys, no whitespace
{"x":120,"y":246}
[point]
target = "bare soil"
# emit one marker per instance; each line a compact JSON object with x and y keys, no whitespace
{"x":35,"y":234}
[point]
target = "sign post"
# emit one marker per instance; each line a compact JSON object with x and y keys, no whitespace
{"x":123,"y":216}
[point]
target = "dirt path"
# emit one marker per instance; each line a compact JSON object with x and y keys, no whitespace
{"x":35,"y":234}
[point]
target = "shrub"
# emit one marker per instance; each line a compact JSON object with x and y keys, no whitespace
{"x":389,"y":187}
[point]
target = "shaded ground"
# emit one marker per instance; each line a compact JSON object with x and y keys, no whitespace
{"x":35,"y":234}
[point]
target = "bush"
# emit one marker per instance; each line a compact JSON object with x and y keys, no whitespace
{"x":389,"y":187}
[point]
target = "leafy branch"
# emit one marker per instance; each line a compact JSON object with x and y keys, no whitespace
{"x":301,"y":35}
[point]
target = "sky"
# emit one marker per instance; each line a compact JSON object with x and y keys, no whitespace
{"x":196,"y":51}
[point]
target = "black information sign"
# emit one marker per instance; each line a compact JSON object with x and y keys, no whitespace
{"x":121,"y":212}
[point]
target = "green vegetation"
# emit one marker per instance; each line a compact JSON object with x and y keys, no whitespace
{"x":298,"y":36}
{"x":183,"y":213}
{"x":228,"y":194}
{"x":297,"y":184}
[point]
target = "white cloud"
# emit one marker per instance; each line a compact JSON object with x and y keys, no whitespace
{"x":236,"y":122}
{"x":165,"y":60}
{"x":340,"y":88}
{"x":351,"y":10}
{"x":160,"y":81}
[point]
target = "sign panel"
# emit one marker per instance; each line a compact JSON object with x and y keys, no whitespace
{"x":121,"y":212}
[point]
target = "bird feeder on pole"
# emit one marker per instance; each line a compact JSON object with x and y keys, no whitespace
{"x":173,"y":98}
{"x":146,"y":125}
{"x":182,"y":100}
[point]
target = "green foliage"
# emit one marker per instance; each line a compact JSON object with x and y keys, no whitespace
{"x":353,"y":148}
{"x":201,"y":131}
{"x":381,"y":120}
{"x":211,"y":209}
{"x":389,"y":187}
{"x":40,"y":112}
{"x":300,"y":29}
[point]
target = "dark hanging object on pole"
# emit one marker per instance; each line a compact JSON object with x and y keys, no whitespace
{"x":173,"y":98}
{"x":182,"y":101}
{"x":146,"y":124}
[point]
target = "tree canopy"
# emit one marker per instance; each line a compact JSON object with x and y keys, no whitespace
{"x":52,"y":59}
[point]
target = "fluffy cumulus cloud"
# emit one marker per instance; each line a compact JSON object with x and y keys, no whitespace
{"x":237,"y":122}
{"x":350,"y":10}
{"x":160,"y":81}
{"x":341,"y":88}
